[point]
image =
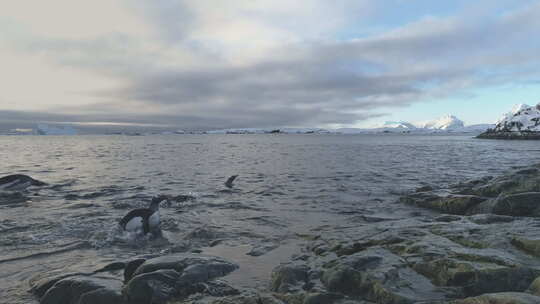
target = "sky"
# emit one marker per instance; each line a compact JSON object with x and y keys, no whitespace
{"x":266,"y":63}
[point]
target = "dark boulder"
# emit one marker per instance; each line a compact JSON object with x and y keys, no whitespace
{"x":84,"y":289}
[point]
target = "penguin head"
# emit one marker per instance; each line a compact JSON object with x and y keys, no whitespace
{"x":154,"y":205}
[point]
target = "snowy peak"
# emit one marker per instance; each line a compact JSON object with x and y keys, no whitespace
{"x":446,"y":122}
{"x":522,"y":118}
{"x":398,"y":125}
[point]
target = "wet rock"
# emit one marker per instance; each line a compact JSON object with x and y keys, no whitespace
{"x":158,"y":279}
{"x":213,"y":266}
{"x":112,"y":267}
{"x":448,"y":218}
{"x":522,"y":204}
{"x":322,"y":298}
{"x":12,"y":198}
{"x":84,"y":289}
{"x":449,"y":203}
{"x":39,"y":286}
{"x":130,"y":268}
{"x":18,"y":182}
{"x":204,"y":235}
{"x":380,"y":276}
{"x":497,"y":187}
{"x":501,"y":298}
{"x":248,"y":298}
{"x":380,"y":240}
{"x":513,"y":194}
{"x":534,"y":288}
{"x":484,"y":219}
{"x":152,"y":287}
{"x":318,"y":247}
{"x":525,"y":180}
{"x":531,"y":246}
{"x":289,"y":277}
{"x":262,"y":249}
{"x":477,"y":278}
{"x":424,"y":189}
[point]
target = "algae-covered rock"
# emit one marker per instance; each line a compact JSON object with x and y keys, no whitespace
{"x":522,"y":204}
{"x":289,"y":277}
{"x":531,"y":246}
{"x":450,"y":203}
{"x":248,"y":298}
{"x":380,"y":276}
{"x":477,"y":278}
{"x":501,"y":298}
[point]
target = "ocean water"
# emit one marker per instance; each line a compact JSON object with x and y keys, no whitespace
{"x":288,"y":186}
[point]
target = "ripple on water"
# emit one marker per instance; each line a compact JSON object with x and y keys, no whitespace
{"x":94,"y":180}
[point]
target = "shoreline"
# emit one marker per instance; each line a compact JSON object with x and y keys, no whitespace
{"x":477,"y":244}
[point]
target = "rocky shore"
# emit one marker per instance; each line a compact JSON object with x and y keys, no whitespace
{"x":492,"y":134}
{"x":480,"y":244}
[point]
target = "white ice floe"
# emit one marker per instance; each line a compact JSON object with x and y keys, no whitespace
{"x":43,"y":129}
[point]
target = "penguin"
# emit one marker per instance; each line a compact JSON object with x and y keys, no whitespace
{"x":144,"y":220}
{"x":229,"y":182}
{"x":18,"y":182}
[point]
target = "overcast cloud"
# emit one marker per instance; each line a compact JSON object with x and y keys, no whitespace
{"x":219,"y":64}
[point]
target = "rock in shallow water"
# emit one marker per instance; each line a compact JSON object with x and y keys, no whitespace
{"x":289,"y":277}
{"x":154,"y":280}
{"x":153,"y":287}
{"x":18,"y":182}
{"x":450,"y":203}
{"x":159,"y":279}
{"x":84,"y":290}
{"x":513,"y":194}
{"x":501,"y":298}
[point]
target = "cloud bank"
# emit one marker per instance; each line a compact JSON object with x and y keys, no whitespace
{"x":204,"y":65}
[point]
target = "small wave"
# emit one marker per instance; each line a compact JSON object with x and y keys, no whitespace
{"x":116,"y":236}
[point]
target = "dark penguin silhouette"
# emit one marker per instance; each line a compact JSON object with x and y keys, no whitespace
{"x":230,"y":181}
{"x":143,"y":220}
{"x":18,"y":181}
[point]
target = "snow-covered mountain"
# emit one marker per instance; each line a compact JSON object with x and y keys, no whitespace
{"x":523,"y":122}
{"x":522,"y":118}
{"x":446,"y":122}
{"x":398,"y":125}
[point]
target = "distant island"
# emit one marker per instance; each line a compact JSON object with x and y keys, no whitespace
{"x":523,"y":122}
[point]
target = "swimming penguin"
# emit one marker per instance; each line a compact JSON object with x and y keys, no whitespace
{"x":18,"y":182}
{"x":229,"y":182}
{"x":143,"y":220}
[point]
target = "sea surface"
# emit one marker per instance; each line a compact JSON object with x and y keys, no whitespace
{"x":288,"y":186}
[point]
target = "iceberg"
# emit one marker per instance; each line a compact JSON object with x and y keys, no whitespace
{"x":43,"y":129}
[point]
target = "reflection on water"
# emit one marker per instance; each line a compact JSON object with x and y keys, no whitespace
{"x":287,"y":185}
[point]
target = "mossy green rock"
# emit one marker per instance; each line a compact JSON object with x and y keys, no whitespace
{"x":501,"y":298}
{"x":477,"y":278}
{"x":531,"y":246}
{"x":451,"y":204}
